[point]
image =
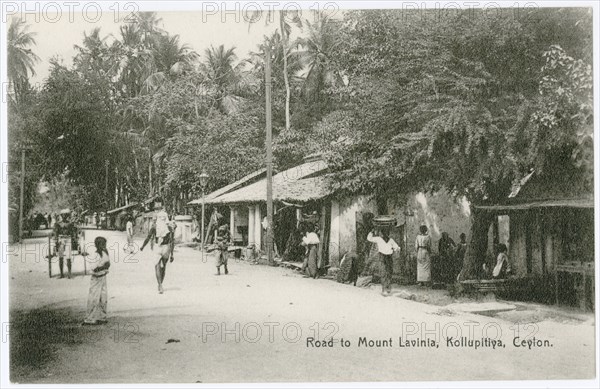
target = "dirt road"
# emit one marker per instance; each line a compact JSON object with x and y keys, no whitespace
{"x":255,"y":325}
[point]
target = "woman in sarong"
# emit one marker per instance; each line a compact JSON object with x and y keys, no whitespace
{"x":98,"y":296}
{"x":423,"y":248}
{"x":311,"y":242}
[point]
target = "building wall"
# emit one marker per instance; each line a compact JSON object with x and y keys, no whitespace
{"x":241,"y":220}
{"x":544,"y":241}
{"x":518,"y":244}
{"x":440,"y":212}
{"x":343,"y":224}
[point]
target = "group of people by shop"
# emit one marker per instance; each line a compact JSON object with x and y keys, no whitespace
{"x":441,"y":268}
{"x":444,"y":267}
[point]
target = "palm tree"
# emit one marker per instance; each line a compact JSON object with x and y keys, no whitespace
{"x":168,"y":58}
{"x":315,"y":49}
{"x":147,"y":23}
{"x":132,"y":59}
{"x":285,"y":29}
{"x":94,"y":54}
{"x":134,"y":53}
{"x":21,"y":59}
{"x":225,"y":82}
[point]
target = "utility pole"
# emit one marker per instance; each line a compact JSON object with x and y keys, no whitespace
{"x":22,"y":198}
{"x":269,"y":157}
{"x":106,"y":178}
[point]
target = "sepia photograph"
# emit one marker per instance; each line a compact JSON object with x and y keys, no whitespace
{"x":385,"y":194}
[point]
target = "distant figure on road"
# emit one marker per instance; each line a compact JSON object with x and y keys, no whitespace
{"x":98,"y":295}
{"x":386,"y":247}
{"x":423,"y":248}
{"x":129,"y":230}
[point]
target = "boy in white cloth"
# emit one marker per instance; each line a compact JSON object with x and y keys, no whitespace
{"x":386,"y":247}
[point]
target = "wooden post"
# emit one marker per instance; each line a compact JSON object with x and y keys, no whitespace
{"x":203,"y":239}
{"x":269,"y":239}
{"x":251,"y":239}
{"x":232,"y":222}
{"x":50,"y":256}
{"x":82,"y":250}
{"x":22,"y":197}
{"x":258,"y":228}
{"x":106,"y":163}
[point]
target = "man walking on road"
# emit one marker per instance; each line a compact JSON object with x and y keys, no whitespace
{"x":165,"y":254}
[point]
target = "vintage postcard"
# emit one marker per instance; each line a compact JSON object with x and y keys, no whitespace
{"x":299,"y":193}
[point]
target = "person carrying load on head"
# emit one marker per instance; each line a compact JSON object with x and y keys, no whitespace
{"x":311,"y":258}
{"x":386,"y":247}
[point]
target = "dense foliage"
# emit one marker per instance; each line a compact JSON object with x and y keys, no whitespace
{"x":398,"y":101}
{"x":466,"y":100}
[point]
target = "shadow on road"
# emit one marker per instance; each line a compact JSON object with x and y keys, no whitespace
{"x":35,"y":336}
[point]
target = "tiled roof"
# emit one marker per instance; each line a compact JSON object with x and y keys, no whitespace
{"x":124,"y":207}
{"x":209,"y":198}
{"x":561,"y":203}
{"x":300,"y":183}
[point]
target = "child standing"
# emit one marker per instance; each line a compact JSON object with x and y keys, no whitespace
{"x":98,"y":296}
{"x":223,"y":241}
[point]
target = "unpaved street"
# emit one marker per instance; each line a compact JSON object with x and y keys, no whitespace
{"x":252,"y":326}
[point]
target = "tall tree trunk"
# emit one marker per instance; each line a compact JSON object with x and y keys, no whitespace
{"x":117,"y":187}
{"x":137,"y":168}
{"x":476,"y":251}
{"x":150,"y":174}
{"x":284,"y":44}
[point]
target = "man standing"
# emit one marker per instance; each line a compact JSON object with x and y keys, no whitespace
{"x":65,"y":236}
